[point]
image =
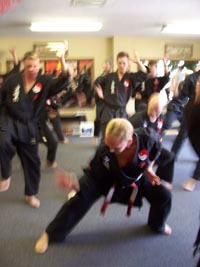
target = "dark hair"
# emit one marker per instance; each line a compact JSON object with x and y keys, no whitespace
{"x":152,"y":62}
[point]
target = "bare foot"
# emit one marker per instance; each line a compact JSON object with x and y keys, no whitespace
{"x":5,"y":184}
{"x":32,"y":201}
{"x":65,"y":141}
{"x":167,"y":230}
{"x":52,"y":165}
{"x":71,"y":194}
{"x":94,"y":141}
{"x":190,"y":184}
{"x":42,"y":244}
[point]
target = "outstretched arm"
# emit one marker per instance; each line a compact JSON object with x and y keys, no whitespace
{"x":136,"y":59}
{"x":165,"y":62}
{"x":14,"y":55}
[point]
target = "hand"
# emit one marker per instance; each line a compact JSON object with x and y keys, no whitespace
{"x":152,"y":177}
{"x":66,"y":180}
{"x":138,"y":96}
{"x":99,"y":91}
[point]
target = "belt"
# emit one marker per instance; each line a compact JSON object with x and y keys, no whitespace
{"x":110,"y":195}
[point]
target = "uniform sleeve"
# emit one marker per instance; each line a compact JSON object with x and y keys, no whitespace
{"x":57,"y":84}
{"x":153,"y":142}
{"x":136,"y":120}
{"x":137,"y":78}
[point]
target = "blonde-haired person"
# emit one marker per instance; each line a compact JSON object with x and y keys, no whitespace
{"x":153,"y":117}
{"x":23,"y":97}
{"x":122,"y":171}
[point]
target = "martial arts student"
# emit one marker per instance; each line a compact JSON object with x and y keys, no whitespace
{"x":23,"y":96}
{"x":154,"y":84}
{"x":121,"y":170}
{"x":117,"y":87}
{"x":193,"y":126}
{"x":107,"y":68}
{"x":152,"y":117}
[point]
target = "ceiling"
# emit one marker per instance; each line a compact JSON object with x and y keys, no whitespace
{"x":141,"y":18}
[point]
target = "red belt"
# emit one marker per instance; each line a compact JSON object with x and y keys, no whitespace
{"x":110,"y":194}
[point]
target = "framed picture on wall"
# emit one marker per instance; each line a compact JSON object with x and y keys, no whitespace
{"x":179,"y":51}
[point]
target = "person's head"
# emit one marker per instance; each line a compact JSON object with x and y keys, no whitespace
{"x":153,"y":68}
{"x":31,"y":64}
{"x":155,"y":107}
{"x":118,"y":135}
{"x":123,"y":62}
{"x":107,"y":66}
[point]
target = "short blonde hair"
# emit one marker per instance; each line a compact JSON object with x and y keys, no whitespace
{"x":31,"y":55}
{"x":119,"y":128}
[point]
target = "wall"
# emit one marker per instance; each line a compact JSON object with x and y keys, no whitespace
{"x":100,"y":49}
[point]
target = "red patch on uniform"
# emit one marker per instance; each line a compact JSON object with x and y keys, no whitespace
{"x":126,"y":84}
{"x":35,"y":97}
{"x":159,"y":125}
{"x":143,"y":164}
{"x":37,"y":88}
{"x":143,"y":154}
{"x":48,"y":102}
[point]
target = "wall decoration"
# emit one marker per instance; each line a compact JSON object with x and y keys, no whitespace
{"x":179,"y":51}
{"x":6,"y":5}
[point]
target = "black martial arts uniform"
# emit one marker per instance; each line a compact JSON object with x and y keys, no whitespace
{"x":165,"y":161}
{"x":104,"y":172}
{"x":150,"y":86}
{"x":19,"y":112}
{"x":193,"y":126}
{"x":117,"y":93}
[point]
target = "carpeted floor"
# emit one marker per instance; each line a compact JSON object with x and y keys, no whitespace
{"x":110,"y":241}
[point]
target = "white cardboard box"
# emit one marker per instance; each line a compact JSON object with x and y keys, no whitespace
{"x":86,"y":128}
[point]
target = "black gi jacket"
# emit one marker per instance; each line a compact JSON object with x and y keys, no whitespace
{"x":104,"y":168}
{"x":141,"y":119}
{"x":19,"y":111}
{"x":117,"y":93}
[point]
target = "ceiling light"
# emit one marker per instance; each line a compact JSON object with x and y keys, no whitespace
{"x":181,"y":28}
{"x":71,"y":26}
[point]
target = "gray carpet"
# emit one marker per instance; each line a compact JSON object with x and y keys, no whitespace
{"x":110,"y":241}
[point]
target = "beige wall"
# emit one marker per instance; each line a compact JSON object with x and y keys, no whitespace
{"x":100,"y":49}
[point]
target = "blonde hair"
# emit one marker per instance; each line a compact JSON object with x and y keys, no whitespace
{"x":119,"y":128}
{"x":31,"y":55}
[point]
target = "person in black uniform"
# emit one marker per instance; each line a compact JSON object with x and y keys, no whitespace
{"x":152,"y":117}
{"x":48,"y":138}
{"x":192,"y":115}
{"x":23,"y":96}
{"x":116,"y":88}
{"x":153,"y":84}
{"x":188,"y":90}
{"x":175,"y":109}
{"x":107,"y":68}
{"x":121,"y":170}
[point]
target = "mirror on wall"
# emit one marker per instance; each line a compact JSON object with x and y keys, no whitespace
{"x":80,"y":92}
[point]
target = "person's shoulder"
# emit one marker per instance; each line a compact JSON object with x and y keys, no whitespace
{"x":147,"y":132}
{"x":138,"y":114}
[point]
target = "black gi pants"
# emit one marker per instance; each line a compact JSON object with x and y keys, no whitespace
{"x":165,"y":164}
{"x":48,"y":137}
{"x":11,"y":141}
{"x":57,"y":127}
{"x":74,"y":209}
{"x":108,"y":113}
